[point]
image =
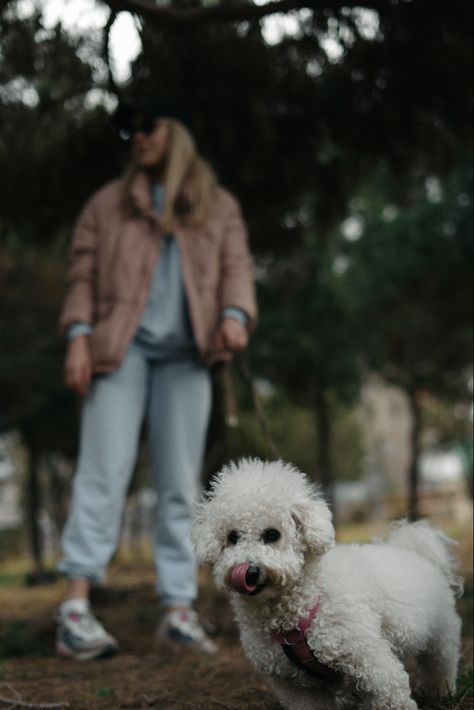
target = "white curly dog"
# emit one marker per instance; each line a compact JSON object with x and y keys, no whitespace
{"x":331,"y":625}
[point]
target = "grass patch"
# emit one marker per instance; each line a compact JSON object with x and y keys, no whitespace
{"x":17,"y":638}
{"x":104,"y":692}
{"x":14,"y":570}
{"x":11,"y":579}
{"x":3,"y":669}
{"x":461,"y":700}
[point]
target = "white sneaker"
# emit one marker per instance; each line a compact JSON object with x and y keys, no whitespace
{"x":183,"y":628}
{"x":80,"y":635}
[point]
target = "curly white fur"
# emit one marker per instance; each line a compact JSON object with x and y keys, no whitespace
{"x":380,"y":603}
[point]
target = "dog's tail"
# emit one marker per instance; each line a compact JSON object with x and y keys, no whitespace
{"x":431,"y":543}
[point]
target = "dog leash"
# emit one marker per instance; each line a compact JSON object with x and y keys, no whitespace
{"x":243,"y":365}
{"x":297,"y":650}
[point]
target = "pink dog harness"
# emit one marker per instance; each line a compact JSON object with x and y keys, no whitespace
{"x":296,"y":648}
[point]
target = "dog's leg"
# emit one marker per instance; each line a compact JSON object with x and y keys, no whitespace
{"x":438,"y":666}
{"x":294,"y":697}
{"x":380,"y":676}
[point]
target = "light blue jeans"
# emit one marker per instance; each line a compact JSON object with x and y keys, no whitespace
{"x":175,"y":398}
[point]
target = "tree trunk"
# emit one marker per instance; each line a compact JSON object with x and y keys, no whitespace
{"x":414,"y":471}
{"x":325,"y":474}
{"x":33,"y":508}
{"x":38,"y":575}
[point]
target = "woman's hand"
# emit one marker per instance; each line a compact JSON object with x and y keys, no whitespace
{"x":78,"y":365}
{"x":231,"y":335}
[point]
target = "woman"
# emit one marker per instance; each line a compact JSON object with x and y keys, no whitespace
{"x":160,"y":285}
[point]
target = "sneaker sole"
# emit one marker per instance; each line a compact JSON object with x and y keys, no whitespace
{"x":179,"y":643}
{"x":102,"y":652}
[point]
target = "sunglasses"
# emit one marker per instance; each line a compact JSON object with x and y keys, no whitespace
{"x":139,"y":124}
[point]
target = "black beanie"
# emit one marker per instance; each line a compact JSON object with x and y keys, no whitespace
{"x":151,"y":107}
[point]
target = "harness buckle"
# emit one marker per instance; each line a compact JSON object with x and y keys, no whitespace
{"x":293,"y":637}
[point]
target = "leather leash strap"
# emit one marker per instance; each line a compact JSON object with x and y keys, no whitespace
{"x":242,"y":362}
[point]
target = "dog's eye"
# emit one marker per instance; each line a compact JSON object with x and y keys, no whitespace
{"x":233,"y":537}
{"x":271,"y":535}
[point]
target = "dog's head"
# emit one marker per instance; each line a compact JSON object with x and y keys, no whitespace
{"x":258,"y":525}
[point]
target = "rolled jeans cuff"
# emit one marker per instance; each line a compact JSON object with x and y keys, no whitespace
{"x":75,"y":571}
{"x":166,"y":602}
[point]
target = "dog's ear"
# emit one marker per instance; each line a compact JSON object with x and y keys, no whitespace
{"x":314,"y":519}
{"x":204,"y":535}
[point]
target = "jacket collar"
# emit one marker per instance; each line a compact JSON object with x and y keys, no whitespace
{"x":140,"y":192}
{"x":141,"y":196}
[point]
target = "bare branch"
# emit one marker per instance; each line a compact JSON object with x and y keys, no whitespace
{"x":105,"y":51}
{"x":17,"y":702}
{"x":12,"y":703}
{"x":246,"y":11}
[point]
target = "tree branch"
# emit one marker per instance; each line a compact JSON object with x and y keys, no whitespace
{"x":17,"y":702}
{"x":106,"y":54}
{"x":246,"y":11}
{"x":13,"y":703}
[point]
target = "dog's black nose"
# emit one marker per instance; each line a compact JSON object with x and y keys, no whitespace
{"x":252,"y":575}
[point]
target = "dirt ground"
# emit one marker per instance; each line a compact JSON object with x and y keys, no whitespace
{"x":145,"y":674}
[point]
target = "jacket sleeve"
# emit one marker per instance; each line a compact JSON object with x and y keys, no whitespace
{"x":78,"y":304}
{"x":237,"y":280}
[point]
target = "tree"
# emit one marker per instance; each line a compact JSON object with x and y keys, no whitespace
{"x":50,"y":128}
{"x":302,"y":158}
{"x":411,"y":278}
{"x":47,"y":138}
{"x":307,"y":340}
{"x":293,"y":132}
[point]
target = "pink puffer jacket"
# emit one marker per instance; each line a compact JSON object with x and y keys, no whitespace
{"x":113,"y":258}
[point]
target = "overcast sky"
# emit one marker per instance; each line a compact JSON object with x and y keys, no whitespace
{"x":83,"y":15}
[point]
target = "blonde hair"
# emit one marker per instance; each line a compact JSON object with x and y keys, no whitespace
{"x":189,"y":180}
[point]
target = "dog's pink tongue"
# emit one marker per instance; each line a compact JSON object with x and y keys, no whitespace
{"x":238,"y":579}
